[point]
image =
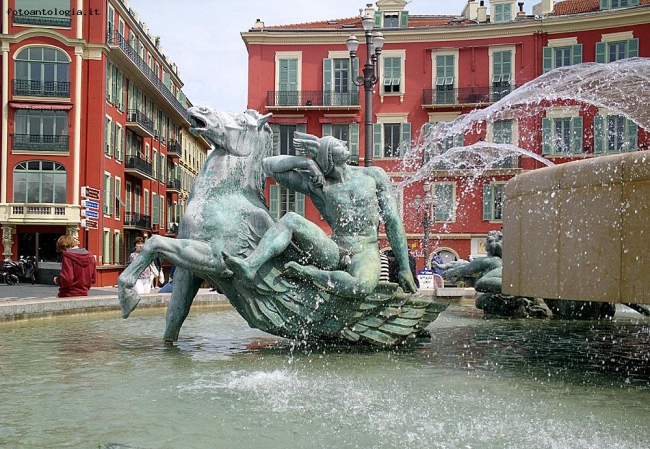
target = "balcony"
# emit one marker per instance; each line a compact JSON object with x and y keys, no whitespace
{"x":39,"y":213}
{"x":312,"y":99}
{"x":174,"y":185}
{"x":138,"y":167}
{"x":464,"y":96}
{"x":49,"y":89}
{"x":174,"y":148}
{"x":137,"y":220}
{"x":141,"y":71}
{"x":38,"y":142}
{"x":139,"y":123}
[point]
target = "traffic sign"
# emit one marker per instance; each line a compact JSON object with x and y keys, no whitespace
{"x":89,"y":213}
{"x":90,"y":204}
{"x":90,"y":193}
{"x":89,"y":224}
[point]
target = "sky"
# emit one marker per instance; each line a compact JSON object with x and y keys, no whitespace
{"x":203,"y":36}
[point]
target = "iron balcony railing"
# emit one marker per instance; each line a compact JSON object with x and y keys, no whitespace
{"x":30,"y":88}
{"x":140,"y":164}
{"x":465,"y":95}
{"x":113,"y":37}
{"x":136,"y":116}
{"x":175,"y":147}
{"x":307,"y":98}
{"x":40,"y":142}
{"x":174,"y":184}
{"x":138,"y":220}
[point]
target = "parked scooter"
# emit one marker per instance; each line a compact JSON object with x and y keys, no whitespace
{"x":20,"y":270}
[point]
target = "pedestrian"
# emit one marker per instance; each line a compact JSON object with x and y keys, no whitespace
{"x":143,"y":284}
{"x":413,"y":269}
{"x":78,"y":268}
{"x":167,"y":288}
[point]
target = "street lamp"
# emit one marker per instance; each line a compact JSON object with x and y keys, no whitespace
{"x":374,"y":43}
{"x":428,"y":207}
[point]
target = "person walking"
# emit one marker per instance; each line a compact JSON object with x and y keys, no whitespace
{"x":78,"y":268}
{"x":143,"y":284}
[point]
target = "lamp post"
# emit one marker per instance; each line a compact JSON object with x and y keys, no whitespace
{"x":427,"y":206}
{"x":374,"y":43}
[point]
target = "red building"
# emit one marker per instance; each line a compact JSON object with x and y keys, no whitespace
{"x":89,"y":100}
{"x":434,"y":69}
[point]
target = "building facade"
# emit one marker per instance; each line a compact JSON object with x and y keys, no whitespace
{"x":435,"y":69}
{"x":95,"y":139}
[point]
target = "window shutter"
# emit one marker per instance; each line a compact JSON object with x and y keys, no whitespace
{"x":405,"y":138}
{"x":487,"y":200}
{"x":633,"y":3}
{"x":459,"y":140}
{"x":507,"y":12}
{"x":353,"y":76}
{"x":354,"y":142}
{"x":547,"y":59}
{"x":326,"y":129}
{"x":604,"y":4}
{"x":276,"y":138}
{"x":300,"y":204}
{"x":576,"y":54}
{"x":576,"y":129}
{"x":547,"y":135}
{"x":632,"y":141}
{"x":599,"y":134}
{"x":403,"y":19}
{"x":328,"y":64}
{"x":378,"y":17}
{"x":633,"y":48}
{"x":601,"y":52}
{"x":274,"y":198}
{"x":377,"y":143}
{"x":301,"y":127}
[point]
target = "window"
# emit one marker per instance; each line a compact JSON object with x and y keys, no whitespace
{"x":109,"y":136}
{"x":615,"y":134}
{"x":349,"y":133}
{"x":283,"y":200}
{"x":612,"y":4}
{"x":338,"y":88}
{"x":118,"y":200}
{"x":118,"y":256}
{"x":391,"y":19}
{"x":392,"y":74}
{"x":562,"y":135}
{"x":502,"y":132}
{"x":42,"y":72}
{"x":445,"y":211}
{"x":283,"y":138}
{"x":40,"y":130}
{"x":388,"y":138}
{"x":54,"y":15}
{"x":108,"y":194}
{"x":445,"y":71}
{"x":107,"y":247}
{"x":554,"y":57}
{"x":616,"y":50}
{"x":288,"y":94}
{"x":502,"y":12}
{"x":501,"y":74}
{"x":40,"y":182}
{"x":493,"y":201}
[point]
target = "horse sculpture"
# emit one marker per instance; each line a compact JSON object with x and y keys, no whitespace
{"x":226,"y":213}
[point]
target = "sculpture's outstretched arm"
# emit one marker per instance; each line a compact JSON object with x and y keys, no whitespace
{"x":293,"y":172}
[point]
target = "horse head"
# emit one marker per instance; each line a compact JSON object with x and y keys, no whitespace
{"x":243,"y":135}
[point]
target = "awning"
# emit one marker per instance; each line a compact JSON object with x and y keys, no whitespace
{"x":47,"y":106}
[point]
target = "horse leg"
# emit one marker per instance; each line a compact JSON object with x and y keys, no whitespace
{"x":185,"y":287}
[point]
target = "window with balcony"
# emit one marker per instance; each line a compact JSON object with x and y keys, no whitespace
{"x":338,"y":88}
{"x":554,"y":57}
{"x":40,"y":181}
{"x":288,"y":92}
{"x":445,"y":76}
{"x":40,"y":130}
{"x":42,"y":72}
{"x":615,"y":134}
{"x":493,"y":201}
{"x":501,"y":74}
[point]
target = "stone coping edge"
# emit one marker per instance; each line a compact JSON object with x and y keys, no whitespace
{"x":39,"y":308}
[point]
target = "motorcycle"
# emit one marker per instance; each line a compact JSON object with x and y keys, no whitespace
{"x":20,"y":270}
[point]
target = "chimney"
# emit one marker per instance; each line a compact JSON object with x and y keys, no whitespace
{"x":258,"y":25}
{"x":481,"y":12}
{"x":521,"y":14}
{"x":370,"y":10}
{"x":544,"y":8}
{"x":471,"y":9}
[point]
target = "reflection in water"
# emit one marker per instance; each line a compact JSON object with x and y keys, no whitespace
{"x":480,"y":383}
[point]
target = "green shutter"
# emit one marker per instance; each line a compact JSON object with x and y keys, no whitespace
{"x":601,"y":52}
{"x":547,"y":136}
{"x":403,"y":19}
{"x":301,"y":127}
{"x":378,"y":17}
{"x":633,"y":48}
{"x":354,"y":142}
{"x":633,"y":3}
{"x":276,"y":138}
{"x":604,"y":4}
{"x":353,"y":76}
{"x":300,"y":204}
{"x":405,"y":138}
{"x":459,"y":140}
{"x":326,"y":129}
{"x":599,"y":134}
{"x":547,"y":59}
{"x":487,"y":202}
{"x":274,"y":198}
{"x":576,"y":54}
{"x":576,"y":129}
{"x":376,"y":144}
{"x":632,"y":141}
{"x":328,"y":64}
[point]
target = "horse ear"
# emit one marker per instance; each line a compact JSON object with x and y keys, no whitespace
{"x":262,"y":120}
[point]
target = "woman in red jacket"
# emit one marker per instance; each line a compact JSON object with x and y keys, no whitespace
{"x":77,"y":268}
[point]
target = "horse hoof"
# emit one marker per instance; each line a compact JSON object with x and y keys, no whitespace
{"x":129,"y":300}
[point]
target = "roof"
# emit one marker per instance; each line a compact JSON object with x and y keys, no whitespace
{"x":568,"y":7}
